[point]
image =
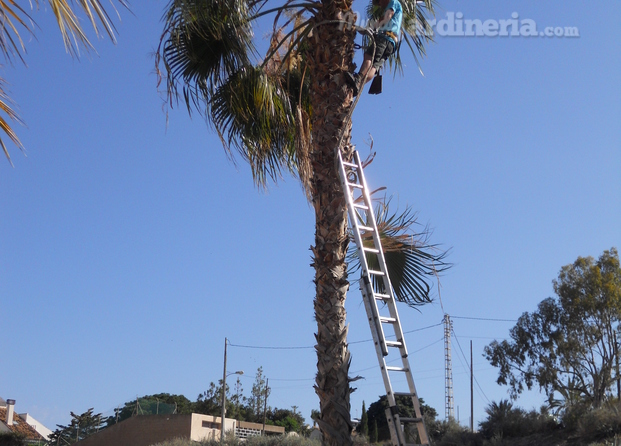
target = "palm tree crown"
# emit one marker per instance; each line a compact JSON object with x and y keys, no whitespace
{"x":289,"y":111}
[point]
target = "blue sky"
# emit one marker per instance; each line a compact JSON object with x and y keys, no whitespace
{"x":130,"y":246}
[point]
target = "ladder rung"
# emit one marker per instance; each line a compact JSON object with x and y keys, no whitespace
{"x":387,"y":320}
{"x":345,"y":163}
{"x":373,"y":250}
{"x":396,"y":369}
{"x":382,"y":297}
{"x":376,"y":273}
{"x":394,"y":343}
{"x":410,"y":420}
{"x":403,"y":394}
{"x":359,"y":186}
{"x":361,"y":206}
{"x":365,"y":228}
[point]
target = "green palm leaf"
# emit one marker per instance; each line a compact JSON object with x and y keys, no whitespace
{"x":204,"y":42}
{"x":252,"y":114}
{"x":411,"y":261}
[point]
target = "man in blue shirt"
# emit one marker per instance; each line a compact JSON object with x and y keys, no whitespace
{"x":388,"y":32}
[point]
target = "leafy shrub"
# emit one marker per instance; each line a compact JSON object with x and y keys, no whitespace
{"x":505,"y":421}
{"x":601,"y":423}
{"x":450,"y":433}
{"x":11,"y":439}
{"x":572,"y":415}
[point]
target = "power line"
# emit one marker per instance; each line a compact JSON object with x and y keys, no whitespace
{"x":429,"y":345}
{"x":312,"y":347}
{"x":398,"y":359}
{"x":298,"y":379}
{"x":268,"y":348}
{"x":462,"y":352}
{"x":483,"y":319}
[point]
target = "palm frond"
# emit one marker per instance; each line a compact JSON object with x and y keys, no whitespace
{"x":68,"y":21}
{"x":261,"y":113}
{"x":286,"y":58}
{"x":7,"y":107}
{"x":413,"y":263}
{"x":417,"y":32}
{"x":204,"y":43}
{"x":13,"y":18}
{"x":253,"y":115}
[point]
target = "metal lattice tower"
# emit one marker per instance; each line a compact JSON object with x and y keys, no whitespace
{"x":449,"y":407}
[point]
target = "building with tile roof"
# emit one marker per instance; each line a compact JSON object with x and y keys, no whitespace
{"x":11,"y":422}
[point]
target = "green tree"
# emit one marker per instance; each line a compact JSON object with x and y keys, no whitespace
{"x":82,"y":426}
{"x":12,"y":439}
{"x":503,"y":420}
{"x":315,"y":414}
{"x":152,"y":404}
{"x":237,"y":398}
{"x":287,"y":111}
{"x":210,"y":401}
{"x":377,"y":414}
{"x":374,"y":434}
{"x":568,"y":346}
{"x":290,"y":420}
{"x":363,"y":427}
{"x":260,"y":391}
{"x":15,"y":19}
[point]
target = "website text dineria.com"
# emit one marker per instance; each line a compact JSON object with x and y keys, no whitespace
{"x":455,"y":25}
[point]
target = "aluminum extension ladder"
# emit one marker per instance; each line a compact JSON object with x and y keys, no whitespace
{"x":363,"y":224}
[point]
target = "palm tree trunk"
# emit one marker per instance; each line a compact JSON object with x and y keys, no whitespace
{"x":331,"y":53}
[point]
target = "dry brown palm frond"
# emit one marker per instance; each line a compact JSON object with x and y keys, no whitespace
{"x":72,"y":32}
{"x":6,"y":105}
{"x":303,"y":148}
{"x":15,"y":19}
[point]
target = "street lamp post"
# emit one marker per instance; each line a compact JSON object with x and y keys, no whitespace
{"x":224,"y":375}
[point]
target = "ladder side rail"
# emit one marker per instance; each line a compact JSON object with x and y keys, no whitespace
{"x":422,"y":429}
{"x":392,"y":307}
{"x":380,"y":356}
{"x":372,"y":311}
{"x":393,"y":418}
{"x":374,"y":333}
{"x":397,"y":436}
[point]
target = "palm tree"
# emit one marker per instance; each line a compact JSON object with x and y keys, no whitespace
{"x":287,"y":111}
{"x":14,"y":18}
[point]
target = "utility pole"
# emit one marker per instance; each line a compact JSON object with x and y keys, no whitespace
{"x":449,"y":407}
{"x":471,"y":391}
{"x":267,"y":383}
{"x":614,"y":334}
{"x":223,"y":396}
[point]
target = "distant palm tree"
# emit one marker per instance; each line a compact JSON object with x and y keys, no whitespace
{"x":15,"y":20}
{"x":503,"y":420}
{"x":289,"y":111}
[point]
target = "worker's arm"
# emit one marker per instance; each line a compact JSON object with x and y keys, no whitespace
{"x":387,"y":16}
